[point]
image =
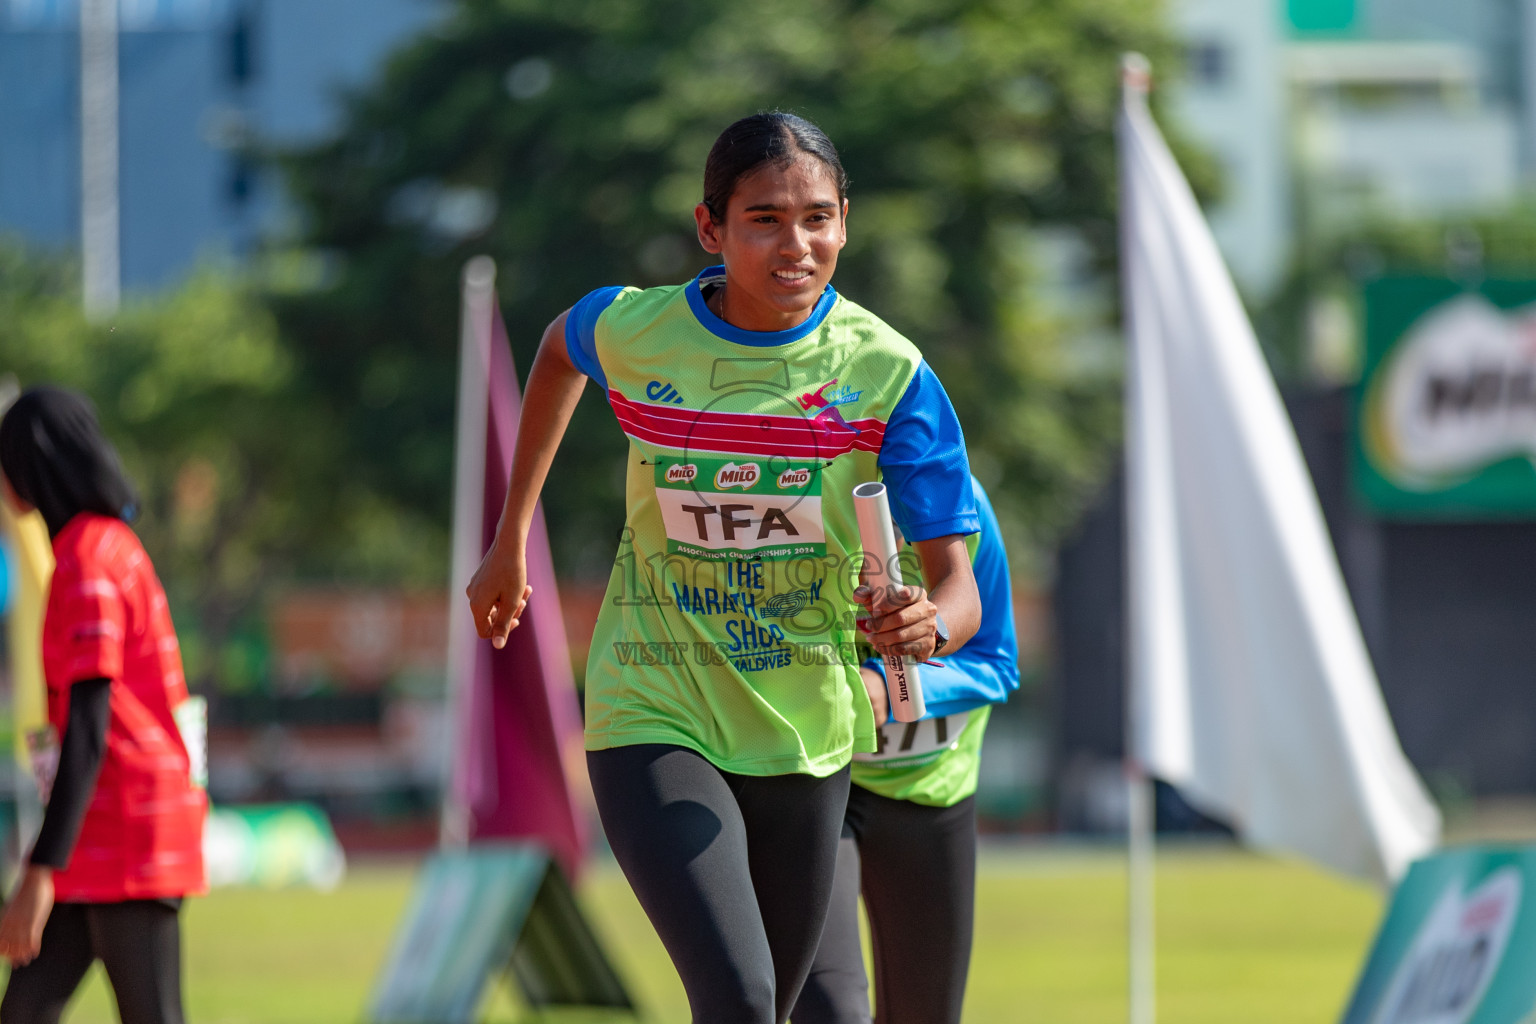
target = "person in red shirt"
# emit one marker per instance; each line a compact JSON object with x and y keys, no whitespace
{"x":121,"y":839}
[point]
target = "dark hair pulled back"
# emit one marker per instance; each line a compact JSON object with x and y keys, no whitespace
{"x":774,"y":138}
{"x":55,"y":456}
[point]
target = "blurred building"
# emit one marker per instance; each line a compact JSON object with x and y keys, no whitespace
{"x":1232,"y":101}
{"x":205,"y":87}
{"x":1350,"y":106}
{"x":1321,"y":113}
{"x":1404,"y":129}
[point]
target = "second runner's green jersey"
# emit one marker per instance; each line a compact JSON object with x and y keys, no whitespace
{"x":937,"y":761}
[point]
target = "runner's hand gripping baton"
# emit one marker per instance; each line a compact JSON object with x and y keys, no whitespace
{"x":902,"y":687}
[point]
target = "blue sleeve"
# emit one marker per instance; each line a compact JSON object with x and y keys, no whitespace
{"x":986,"y":669}
{"x":581,"y":331}
{"x":922,"y":460}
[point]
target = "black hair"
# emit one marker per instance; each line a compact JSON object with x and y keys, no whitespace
{"x":775,"y":138}
{"x":55,"y":456}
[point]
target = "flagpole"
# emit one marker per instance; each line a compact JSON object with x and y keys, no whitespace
{"x":1141,"y":817}
{"x":478,"y":296}
{"x":100,"y":248}
{"x":1141,"y":871}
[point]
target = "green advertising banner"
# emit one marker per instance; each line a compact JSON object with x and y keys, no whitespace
{"x":1458,"y":944}
{"x":479,"y":911}
{"x":1445,"y":418}
{"x":272,"y":846}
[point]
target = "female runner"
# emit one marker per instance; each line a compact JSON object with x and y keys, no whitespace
{"x":721,"y":706}
{"x":122,"y":837}
{"x":910,"y":831}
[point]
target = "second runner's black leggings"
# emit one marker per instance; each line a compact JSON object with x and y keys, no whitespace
{"x":916,"y":866}
{"x":734,"y":871}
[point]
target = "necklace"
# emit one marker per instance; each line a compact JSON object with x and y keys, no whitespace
{"x":722,"y":303}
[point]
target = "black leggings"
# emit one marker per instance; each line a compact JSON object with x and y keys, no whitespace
{"x":734,"y":871}
{"x":139,"y":944}
{"x":919,"y":884}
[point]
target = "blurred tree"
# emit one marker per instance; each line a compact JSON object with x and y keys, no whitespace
{"x":233,"y":457}
{"x":567,"y":139}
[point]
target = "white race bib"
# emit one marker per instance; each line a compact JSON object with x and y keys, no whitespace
{"x":740,"y":509}
{"x":915,"y":741}
{"x":192,"y":722}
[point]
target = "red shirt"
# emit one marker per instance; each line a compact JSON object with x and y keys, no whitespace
{"x":107,"y":617}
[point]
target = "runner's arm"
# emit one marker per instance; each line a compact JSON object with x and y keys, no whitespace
{"x":902,"y":618}
{"x":81,"y":750}
{"x":951,"y":586}
{"x":499,"y":589}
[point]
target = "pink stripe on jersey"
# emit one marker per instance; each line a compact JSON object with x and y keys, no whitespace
{"x":767,"y":435}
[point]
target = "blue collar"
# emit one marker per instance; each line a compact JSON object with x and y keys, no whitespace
{"x":720,"y":329}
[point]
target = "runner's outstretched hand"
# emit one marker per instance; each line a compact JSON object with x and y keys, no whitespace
{"x":901,"y":620}
{"x":501,"y":575}
{"x":21,"y":929}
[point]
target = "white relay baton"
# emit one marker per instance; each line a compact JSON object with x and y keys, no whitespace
{"x":902,"y":686}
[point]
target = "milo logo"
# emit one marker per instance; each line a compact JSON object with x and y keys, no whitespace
{"x":682,"y":473}
{"x":1456,"y":954}
{"x":1455,"y":396}
{"x":794,"y":478}
{"x":732,"y":475}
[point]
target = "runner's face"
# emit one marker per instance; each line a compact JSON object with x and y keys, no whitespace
{"x":779,"y":240}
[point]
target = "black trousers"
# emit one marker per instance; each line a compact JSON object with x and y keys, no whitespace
{"x":916,"y":866}
{"x":137,"y":941}
{"x":734,"y":871}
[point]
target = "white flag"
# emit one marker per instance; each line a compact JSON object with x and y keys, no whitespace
{"x":1250,"y":685}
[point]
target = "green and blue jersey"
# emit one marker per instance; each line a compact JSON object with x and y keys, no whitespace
{"x":728,"y":627}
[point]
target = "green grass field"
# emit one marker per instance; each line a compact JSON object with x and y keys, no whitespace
{"x":1241,"y":938}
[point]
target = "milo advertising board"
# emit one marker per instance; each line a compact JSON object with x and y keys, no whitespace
{"x":1458,"y":945}
{"x":1445,"y":423}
